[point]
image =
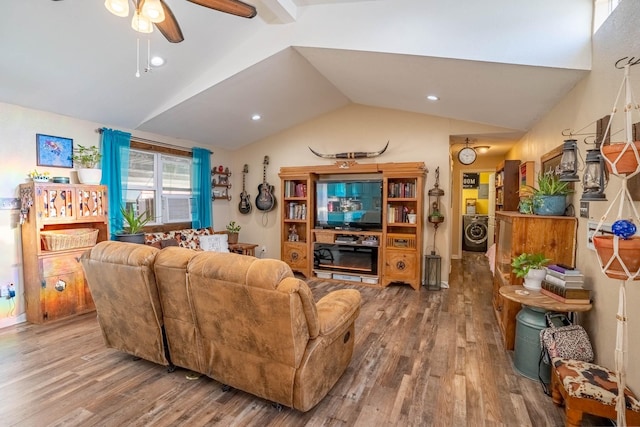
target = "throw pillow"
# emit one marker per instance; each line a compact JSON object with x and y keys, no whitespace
{"x":214,"y":243}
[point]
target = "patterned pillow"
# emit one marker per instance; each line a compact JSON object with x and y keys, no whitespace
{"x":215,"y":243}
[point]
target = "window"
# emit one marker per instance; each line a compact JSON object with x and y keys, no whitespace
{"x":601,"y":11}
{"x":160,"y":185}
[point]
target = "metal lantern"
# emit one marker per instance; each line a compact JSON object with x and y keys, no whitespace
{"x":433,"y":273}
{"x":569,"y":161}
{"x":435,"y":216}
{"x":432,"y":263}
{"x":594,"y":178}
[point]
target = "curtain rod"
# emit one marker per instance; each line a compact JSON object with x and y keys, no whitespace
{"x":163,"y":144}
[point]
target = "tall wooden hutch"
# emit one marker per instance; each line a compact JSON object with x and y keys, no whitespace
{"x":554,"y":236}
{"x":507,"y":185}
{"x":54,"y":281}
{"x":390,"y":254}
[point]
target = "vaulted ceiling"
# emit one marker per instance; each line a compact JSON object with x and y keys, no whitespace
{"x":499,"y":64}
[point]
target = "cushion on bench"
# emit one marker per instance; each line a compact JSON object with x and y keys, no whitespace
{"x":590,"y":381}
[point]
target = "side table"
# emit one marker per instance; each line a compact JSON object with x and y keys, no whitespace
{"x":530,"y":321}
{"x":243,"y":248}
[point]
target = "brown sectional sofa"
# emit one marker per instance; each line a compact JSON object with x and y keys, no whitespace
{"x":245,"y":322}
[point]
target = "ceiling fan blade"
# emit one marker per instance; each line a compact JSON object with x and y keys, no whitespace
{"x":234,"y":7}
{"x":169,"y":27}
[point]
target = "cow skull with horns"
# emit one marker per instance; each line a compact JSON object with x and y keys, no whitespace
{"x":351,"y":155}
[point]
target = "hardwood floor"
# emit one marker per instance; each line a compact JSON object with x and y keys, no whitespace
{"x":421,"y":358}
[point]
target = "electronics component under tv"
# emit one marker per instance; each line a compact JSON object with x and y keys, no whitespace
{"x":349,"y":204}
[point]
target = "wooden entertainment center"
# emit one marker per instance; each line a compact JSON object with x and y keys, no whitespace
{"x":380,"y":256}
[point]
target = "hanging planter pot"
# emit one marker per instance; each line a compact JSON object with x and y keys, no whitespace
{"x":628,"y":252}
{"x":627,"y":163}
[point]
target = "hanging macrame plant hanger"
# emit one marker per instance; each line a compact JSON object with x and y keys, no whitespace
{"x":611,"y":249}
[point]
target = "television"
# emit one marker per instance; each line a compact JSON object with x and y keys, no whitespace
{"x":349,"y":204}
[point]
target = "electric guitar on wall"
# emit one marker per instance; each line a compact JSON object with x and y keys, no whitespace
{"x":265,"y":201}
{"x":245,"y":202}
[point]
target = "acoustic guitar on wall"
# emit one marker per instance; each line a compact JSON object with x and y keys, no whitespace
{"x":245,"y":202}
{"x":265,"y":200}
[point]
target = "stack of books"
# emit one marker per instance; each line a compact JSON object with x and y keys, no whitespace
{"x":565,"y":285}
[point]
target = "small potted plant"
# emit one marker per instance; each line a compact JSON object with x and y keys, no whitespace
{"x":550,"y":197}
{"x":39,"y":176}
{"x":132,"y":232}
{"x":87,"y":160}
{"x":531,"y":268}
{"x":232,"y":230}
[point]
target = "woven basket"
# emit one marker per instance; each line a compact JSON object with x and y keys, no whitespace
{"x":324,"y":237}
{"x":59,"y":240}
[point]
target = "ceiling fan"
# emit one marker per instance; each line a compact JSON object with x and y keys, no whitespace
{"x":158,"y":13}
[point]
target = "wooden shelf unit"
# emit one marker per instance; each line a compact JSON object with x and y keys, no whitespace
{"x":54,"y":281}
{"x":399,"y":247}
{"x":297,"y":204}
{"x":221,"y":185}
{"x":507,"y":185}
{"x":554,"y":236}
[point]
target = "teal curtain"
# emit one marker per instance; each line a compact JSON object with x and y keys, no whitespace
{"x":115,"y":170}
{"x":201,"y":187}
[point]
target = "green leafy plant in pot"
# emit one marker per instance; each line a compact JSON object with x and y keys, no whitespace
{"x":132,"y":232}
{"x":531,"y":268}
{"x":232,"y":230}
{"x":550,"y":196}
{"x":86,"y":160}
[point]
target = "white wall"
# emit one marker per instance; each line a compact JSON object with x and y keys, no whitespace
{"x":590,"y":100}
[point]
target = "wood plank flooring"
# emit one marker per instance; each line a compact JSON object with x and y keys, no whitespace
{"x":427,"y":358}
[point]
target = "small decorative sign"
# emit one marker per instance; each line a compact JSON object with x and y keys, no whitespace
{"x":54,"y":151}
{"x":470,"y":180}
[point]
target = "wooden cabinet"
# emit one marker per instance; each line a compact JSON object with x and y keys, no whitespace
{"x":403,"y":239}
{"x":507,"y":185}
{"x":391,"y":254}
{"x":297,"y":200}
{"x":53,"y":277}
{"x":554,"y":236}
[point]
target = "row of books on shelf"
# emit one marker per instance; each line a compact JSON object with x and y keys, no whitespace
{"x":293,"y":189}
{"x":563,"y":276}
{"x":566,"y":295}
{"x":297,"y":211}
{"x":402,"y":189}
{"x":397,"y":214}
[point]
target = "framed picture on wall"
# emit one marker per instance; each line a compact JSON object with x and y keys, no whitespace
{"x":54,"y":151}
{"x":551,"y":161}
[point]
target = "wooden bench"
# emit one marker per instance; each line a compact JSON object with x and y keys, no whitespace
{"x":586,"y":388}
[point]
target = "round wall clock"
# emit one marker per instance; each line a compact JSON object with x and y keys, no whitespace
{"x":467,"y":155}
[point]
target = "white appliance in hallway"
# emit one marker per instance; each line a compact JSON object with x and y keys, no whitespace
{"x":475,"y":232}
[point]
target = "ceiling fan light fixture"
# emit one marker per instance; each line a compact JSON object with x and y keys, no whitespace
{"x":157,"y":61}
{"x":152,"y":10}
{"x":141,"y":23}
{"x":118,"y":7}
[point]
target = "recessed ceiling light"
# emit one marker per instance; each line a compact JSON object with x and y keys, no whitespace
{"x":157,"y":61}
{"x":433,"y":98}
{"x":256,"y":117}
